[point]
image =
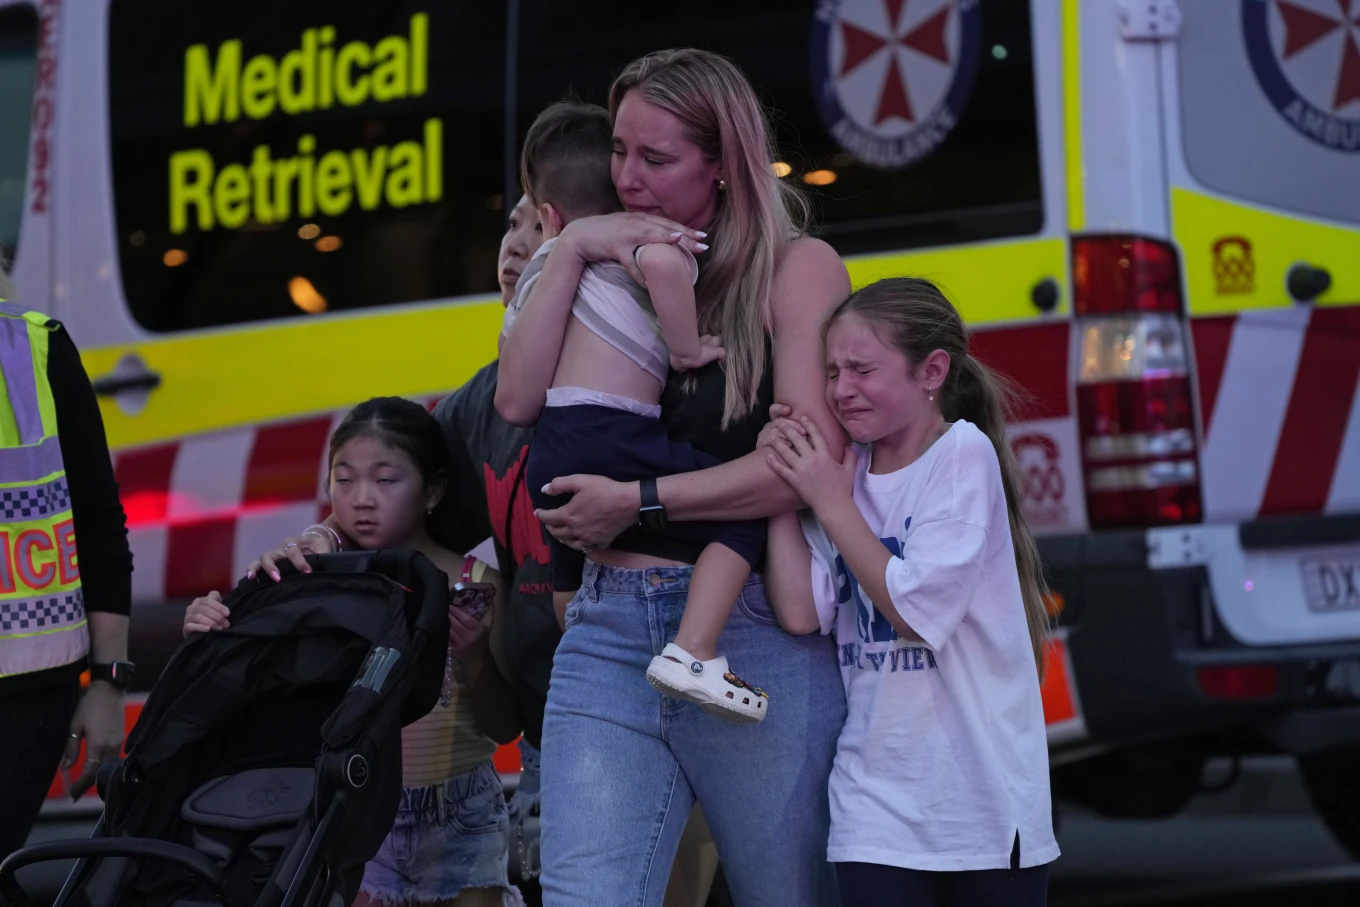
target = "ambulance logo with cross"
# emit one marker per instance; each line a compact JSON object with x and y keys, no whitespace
{"x":1306,"y":56}
{"x":891,"y":77}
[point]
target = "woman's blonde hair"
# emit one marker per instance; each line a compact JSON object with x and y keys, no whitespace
{"x":757,"y":215}
{"x":914,"y":316}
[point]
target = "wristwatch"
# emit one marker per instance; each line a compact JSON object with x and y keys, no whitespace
{"x":651,"y":515}
{"x":119,"y":674}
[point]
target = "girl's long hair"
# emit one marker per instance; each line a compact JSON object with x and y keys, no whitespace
{"x":915,"y":316}
{"x":408,"y":426}
{"x":758,"y":214}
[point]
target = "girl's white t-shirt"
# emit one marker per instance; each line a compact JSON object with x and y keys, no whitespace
{"x":943,"y":760}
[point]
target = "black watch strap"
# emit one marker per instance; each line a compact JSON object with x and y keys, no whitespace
{"x":117,"y":673}
{"x":651,"y":515}
{"x":649,"y":495}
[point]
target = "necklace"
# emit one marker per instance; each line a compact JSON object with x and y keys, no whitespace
{"x":446,"y":694}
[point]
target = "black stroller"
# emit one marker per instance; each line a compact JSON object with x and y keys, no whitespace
{"x":265,"y":768}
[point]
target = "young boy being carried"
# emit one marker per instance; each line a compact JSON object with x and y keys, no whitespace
{"x":603,"y":415}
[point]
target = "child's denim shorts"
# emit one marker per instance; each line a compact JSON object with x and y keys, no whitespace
{"x":446,"y":838}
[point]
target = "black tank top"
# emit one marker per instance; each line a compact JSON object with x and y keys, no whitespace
{"x":691,"y":408}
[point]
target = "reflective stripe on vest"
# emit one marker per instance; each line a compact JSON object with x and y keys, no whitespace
{"x":42,"y":609}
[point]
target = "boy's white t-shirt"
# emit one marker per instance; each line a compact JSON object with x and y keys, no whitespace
{"x":944,"y":758}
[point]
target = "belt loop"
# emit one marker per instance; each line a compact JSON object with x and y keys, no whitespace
{"x":591,"y":580}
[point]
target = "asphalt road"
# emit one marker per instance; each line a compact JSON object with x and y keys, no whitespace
{"x":1258,"y":843}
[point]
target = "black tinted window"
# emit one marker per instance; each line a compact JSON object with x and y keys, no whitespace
{"x":940,"y":142}
{"x":271,"y":158}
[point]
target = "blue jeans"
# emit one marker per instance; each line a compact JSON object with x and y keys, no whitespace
{"x":622,"y":765}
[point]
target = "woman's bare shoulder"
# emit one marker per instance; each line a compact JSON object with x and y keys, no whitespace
{"x":809,"y":280}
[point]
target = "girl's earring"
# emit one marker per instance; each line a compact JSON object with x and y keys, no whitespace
{"x":931,"y":394}
{"x":722,"y":185}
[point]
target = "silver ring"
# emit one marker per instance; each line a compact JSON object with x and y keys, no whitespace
{"x":290,"y":545}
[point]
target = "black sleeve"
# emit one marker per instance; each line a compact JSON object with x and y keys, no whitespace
{"x":101,"y":527}
{"x":471,"y":524}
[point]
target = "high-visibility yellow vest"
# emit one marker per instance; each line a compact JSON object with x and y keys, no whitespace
{"x":42,"y":608}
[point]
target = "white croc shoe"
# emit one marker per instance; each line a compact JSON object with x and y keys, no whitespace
{"x":710,"y":684}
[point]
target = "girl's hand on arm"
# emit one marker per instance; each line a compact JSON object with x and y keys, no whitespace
{"x":779,"y":423}
{"x":802,"y":458}
{"x":788,"y":576}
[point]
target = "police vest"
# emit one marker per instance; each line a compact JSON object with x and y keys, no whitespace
{"x":42,"y":609}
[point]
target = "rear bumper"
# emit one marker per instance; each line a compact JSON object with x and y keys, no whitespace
{"x":1144,"y":612}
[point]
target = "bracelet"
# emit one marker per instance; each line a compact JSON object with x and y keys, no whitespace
{"x":326,"y":532}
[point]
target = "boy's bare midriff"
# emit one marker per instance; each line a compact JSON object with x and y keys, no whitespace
{"x":591,"y":362}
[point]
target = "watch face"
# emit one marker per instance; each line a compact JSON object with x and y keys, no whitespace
{"x":653,"y":519}
{"x":119,"y":673}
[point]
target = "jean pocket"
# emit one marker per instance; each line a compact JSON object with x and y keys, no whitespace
{"x":482,"y":812}
{"x":754,"y":604}
{"x":575,"y":607}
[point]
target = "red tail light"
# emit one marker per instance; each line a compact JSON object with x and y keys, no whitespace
{"x":1240,"y":681}
{"x":1135,"y":407}
{"x":1124,"y":274}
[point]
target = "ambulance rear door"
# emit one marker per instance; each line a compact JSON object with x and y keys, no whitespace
{"x":1262,"y":101}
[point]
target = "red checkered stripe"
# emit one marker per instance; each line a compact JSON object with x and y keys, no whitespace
{"x":200,"y":509}
{"x":1281,"y":415}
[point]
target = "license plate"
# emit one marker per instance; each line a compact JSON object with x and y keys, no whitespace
{"x":1332,"y":583}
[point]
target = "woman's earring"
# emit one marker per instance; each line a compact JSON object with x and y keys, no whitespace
{"x":722,"y":185}
{"x":931,"y":394}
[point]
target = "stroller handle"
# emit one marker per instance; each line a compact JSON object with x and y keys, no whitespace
{"x":12,"y":893}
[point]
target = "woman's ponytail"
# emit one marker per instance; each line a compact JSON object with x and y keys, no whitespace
{"x":919,"y":320}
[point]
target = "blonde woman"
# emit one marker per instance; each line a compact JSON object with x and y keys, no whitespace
{"x":622,"y":766}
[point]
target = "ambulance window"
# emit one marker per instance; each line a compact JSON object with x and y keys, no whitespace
{"x":272,"y":159}
{"x":1270,"y":103}
{"x":18,"y":56}
{"x":917,"y":134}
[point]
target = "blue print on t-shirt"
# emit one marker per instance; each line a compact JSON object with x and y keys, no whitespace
{"x":872,"y":626}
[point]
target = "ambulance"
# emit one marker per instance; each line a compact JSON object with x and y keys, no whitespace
{"x":252,"y":215}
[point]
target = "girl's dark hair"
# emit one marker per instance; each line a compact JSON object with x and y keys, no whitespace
{"x":914,"y":316}
{"x":407,"y":426}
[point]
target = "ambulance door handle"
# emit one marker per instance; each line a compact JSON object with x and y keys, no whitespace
{"x":130,"y":374}
{"x":109,"y":385}
{"x":1306,"y":282}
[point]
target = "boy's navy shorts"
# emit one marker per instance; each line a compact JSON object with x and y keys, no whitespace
{"x":585,"y":439}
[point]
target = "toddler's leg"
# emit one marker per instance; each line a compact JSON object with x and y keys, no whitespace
{"x":690,"y":668}
{"x":718,"y":577}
